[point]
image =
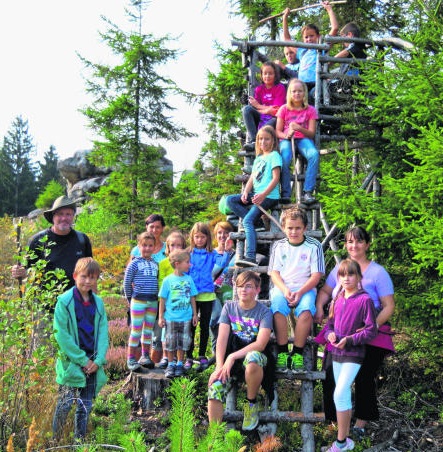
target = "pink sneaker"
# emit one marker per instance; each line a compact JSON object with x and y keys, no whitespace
{"x":349,"y":445}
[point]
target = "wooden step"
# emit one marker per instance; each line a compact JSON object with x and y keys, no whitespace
{"x":277,"y":416}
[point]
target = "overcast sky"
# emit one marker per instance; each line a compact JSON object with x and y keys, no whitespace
{"x":41,"y":76}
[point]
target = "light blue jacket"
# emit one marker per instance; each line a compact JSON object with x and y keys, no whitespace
{"x":71,"y":358}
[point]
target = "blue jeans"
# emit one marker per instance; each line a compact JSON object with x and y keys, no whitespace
{"x":250,"y":214}
{"x":66,"y":397}
{"x":308,"y":150}
{"x":251,"y":118}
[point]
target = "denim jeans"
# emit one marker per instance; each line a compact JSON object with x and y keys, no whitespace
{"x":66,"y":397}
{"x":308,"y":150}
{"x":250,"y":214}
{"x":251,"y":118}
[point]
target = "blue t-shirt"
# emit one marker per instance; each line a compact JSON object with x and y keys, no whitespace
{"x":308,"y":65}
{"x":262,"y":173}
{"x":177,"y":291}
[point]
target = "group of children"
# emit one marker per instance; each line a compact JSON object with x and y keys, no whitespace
{"x":181,"y":287}
{"x":279,"y":121}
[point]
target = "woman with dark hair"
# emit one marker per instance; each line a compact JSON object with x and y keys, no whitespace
{"x":378,"y":284}
{"x":155,"y":224}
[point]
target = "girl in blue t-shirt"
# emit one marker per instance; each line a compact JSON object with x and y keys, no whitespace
{"x":262,"y":189}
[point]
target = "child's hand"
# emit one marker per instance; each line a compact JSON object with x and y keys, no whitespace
{"x":90,"y":368}
{"x":342,"y":344}
{"x":161,"y":322}
{"x":258,"y":198}
{"x":244,"y":198}
{"x":326,"y":5}
{"x":195,"y":319}
{"x":332,"y":338}
{"x":254,"y":102}
{"x":286,"y":13}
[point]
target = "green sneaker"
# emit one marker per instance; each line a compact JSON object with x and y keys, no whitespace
{"x":297,"y":363}
{"x":282,"y":362}
{"x":250,"y":416}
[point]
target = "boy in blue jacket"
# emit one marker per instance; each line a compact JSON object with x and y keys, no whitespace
{"x":81,"y":332}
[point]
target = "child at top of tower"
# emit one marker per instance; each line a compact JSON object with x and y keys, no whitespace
{"x":263,"y":106}
{"x":310,"y":34}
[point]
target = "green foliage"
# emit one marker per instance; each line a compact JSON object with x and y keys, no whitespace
{"x":51,"y":191}
{"x":182,"y":392}
{"x":48,"y":169}
{"x":26,"y":352}
{"x":129,"y":113}
{"x":18,"y":189}
{"x":96,"y":221}
{"x":110,"y":417}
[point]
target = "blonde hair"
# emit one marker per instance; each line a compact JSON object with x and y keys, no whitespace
{"x":294,"y":213}
{"x":203,"y":228}
{"x":225,"y":225}
{"x":271,"y":131}
{"x":290,"y":100}
{"x":173,"y":235}
{"x":88,"y":265}
{"x":178,"y":256}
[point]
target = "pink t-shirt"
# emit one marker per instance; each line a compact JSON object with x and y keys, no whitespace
{"x":274,"y":96}
{"x":301,"y":117}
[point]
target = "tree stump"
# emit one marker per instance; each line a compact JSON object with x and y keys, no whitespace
{"x":149,"y":389}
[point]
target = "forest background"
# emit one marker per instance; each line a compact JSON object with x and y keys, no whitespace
{"x":401,"y":97}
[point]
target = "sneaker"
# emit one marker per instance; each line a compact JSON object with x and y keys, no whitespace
{"x":204,"y":364}
{"x":358,"y":433}
{"x":307,"y":198}
{"x":249,"y":147}
{"x":246,"y":262}
{"x":146,"y":361}
{"x":163,"y":364}
{"x":250,"y":416}
{"x":282,"y":362}
{"x":133,"y":365}
{"x":349,"y":445}
{"x":170,"y":371}
{"x":297,"y":363}
{"x":179,"y":370}
{"x":188,"y":364}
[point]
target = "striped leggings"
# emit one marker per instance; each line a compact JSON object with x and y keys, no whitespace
{"x":143,"y":314}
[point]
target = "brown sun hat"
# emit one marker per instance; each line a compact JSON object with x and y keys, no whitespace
{"x":59,"y":203}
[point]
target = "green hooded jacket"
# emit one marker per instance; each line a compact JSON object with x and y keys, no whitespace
{"x":71,"y":358}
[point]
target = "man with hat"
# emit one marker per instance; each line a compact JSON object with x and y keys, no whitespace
{"x":65,"y":244}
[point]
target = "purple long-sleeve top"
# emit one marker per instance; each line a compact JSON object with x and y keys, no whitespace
{"x":354,"y":318}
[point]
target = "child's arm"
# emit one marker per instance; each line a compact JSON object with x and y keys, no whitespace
{"x":260,"y":197}
{"x":247,"y":190}
{"x":127,"y":282}
{"x":161,"y":312}
{"x":307,"y":132}
{"x":286,"y":34}
{"x":222,"y":343}
{"x":310,"y":284}
{"x":332,"y":18}
{"x":278,"y":281}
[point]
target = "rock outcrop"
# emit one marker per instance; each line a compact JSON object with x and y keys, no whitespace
{"x":82,"y":177}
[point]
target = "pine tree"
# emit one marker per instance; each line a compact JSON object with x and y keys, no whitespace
{"x":18,"y":186}
{"x":48,"y":169}
{"x":129,"y":113}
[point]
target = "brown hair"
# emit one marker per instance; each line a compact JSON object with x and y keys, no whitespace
{"x":351,"y":27}
{"x":88,"y":265}
{"x":203,"y":228}
{"x":225,"y":225}
{"x":248,"y":276}
{"x":145,"y":236}
{"x":293,"y":214}
{"x":346,"y":267}
{"x":272,"y":65}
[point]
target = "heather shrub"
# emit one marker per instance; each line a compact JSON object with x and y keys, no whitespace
{"x":118,"y":332}
{"x":116,"y":362}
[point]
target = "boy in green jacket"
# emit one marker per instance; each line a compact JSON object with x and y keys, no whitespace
{"x":81,"y":332}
